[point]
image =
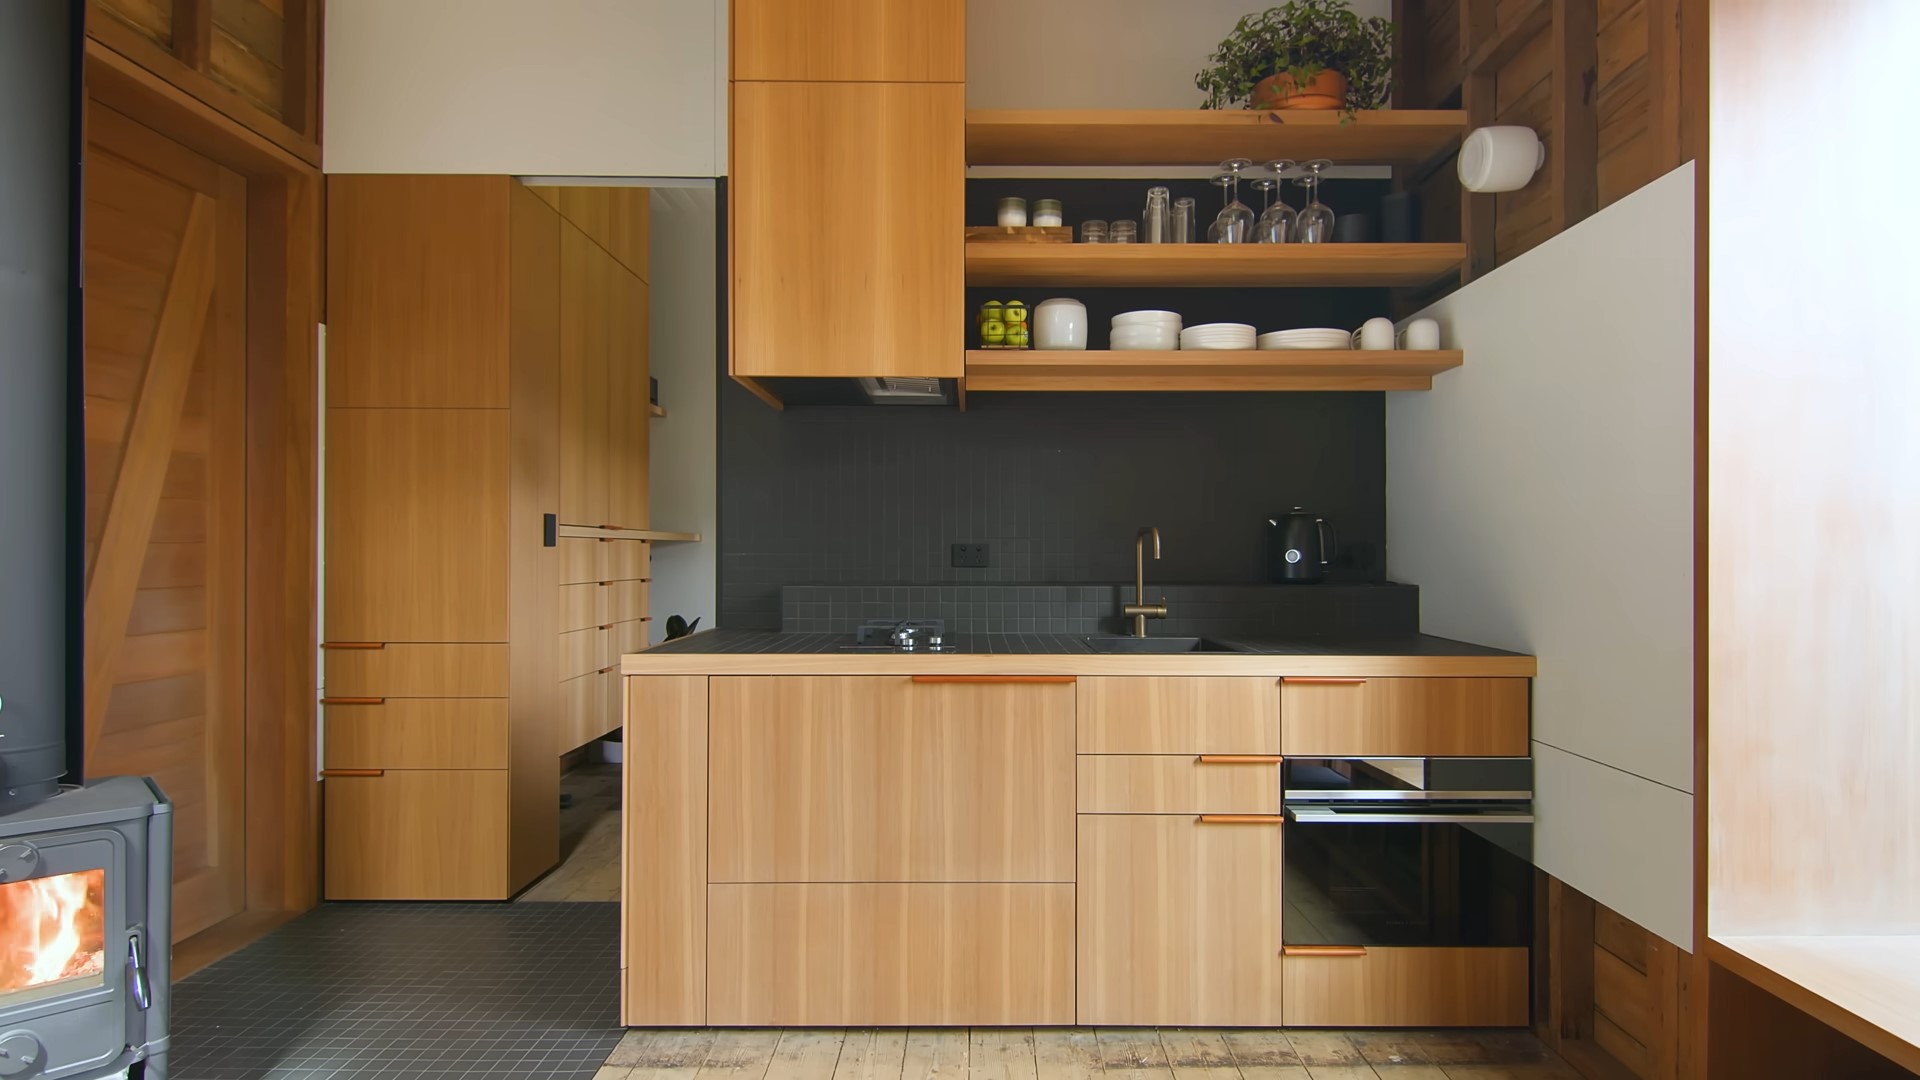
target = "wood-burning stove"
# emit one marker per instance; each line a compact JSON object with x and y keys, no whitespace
{"x":85,"y":930}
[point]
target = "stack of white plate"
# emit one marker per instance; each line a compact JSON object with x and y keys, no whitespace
{"x":1149,"y":331}
{"x":1310,"y":338}
{"x":1217,"y":336}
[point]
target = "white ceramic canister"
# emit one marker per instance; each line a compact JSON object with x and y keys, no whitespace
{"x":1421,"y":334}
{"x":1376,"y":334}
{"x":1060,"y":324}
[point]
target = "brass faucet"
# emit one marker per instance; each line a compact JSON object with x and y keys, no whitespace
{"x":1140,"y":610}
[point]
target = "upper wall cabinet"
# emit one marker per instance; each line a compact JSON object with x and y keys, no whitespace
{"x":850,"y":40}
{"x":848,"y":218}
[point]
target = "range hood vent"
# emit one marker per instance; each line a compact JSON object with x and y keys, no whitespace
{"x":904,"y":391}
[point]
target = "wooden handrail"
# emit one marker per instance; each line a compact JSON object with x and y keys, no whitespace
{"x":353,"y":701}
{"x":1242,"y":819}
{"x":993,"y":678}
{"x":1238,"y":759}
{"x":1323,"y":950}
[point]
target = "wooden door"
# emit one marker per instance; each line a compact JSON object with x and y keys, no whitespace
{"x":1179,"y":921}
{"x":586,"y":335}
{"x":164,"y":273}
{"x":848,"y":220}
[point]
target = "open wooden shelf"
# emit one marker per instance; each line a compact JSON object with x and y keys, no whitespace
{"x":656,"y":410}
{"x":1865,"y":986}
{"x":591,"y":532}
{"x":1211,"y":265}
{"x":1207,"y":136}
{"x":1287,"y":369}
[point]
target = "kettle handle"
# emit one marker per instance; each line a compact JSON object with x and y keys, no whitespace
{"x":1327,"y":539}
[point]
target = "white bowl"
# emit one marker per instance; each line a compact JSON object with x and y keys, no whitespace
{"x":1223,"y":327}
{"x":1153,"y":338}
{"x":1147,"y":318}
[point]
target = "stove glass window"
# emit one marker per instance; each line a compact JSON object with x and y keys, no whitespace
{"x":52,"y":934}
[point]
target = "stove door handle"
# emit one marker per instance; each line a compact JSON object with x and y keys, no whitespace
{"x":137,"y":974}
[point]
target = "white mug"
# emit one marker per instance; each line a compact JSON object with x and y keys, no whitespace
{"x":1421,"y":334}
{"x":1374,"y":334}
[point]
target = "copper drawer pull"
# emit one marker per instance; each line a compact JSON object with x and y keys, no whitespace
{"x":604,"y":584}
{"x":606,"y":626}
{"x":353,"y":701}
{"x":609,"y":667}
{"x":353,"y":645}
{"x":1238,"y":759}
{"x":1241,"y":819}
{"x":1323,"y":950}
{"x":352,"y":772}
{"x":1051,"y":679}
{"x":1324,"y":680}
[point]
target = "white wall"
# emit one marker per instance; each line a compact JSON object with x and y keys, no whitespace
{"x":526,"y":87}
{"x":1099,"y":54}
{"x":1542,"y":498}
{"x":683,"y":448}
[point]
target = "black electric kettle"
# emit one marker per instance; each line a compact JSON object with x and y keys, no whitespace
{"x":1299,"y":547}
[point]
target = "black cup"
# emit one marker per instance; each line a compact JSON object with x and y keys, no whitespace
{"x":1400,"y":218}
{"x":1353,"y":229}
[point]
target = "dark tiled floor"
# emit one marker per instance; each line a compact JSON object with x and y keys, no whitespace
{"x":414,"y":991}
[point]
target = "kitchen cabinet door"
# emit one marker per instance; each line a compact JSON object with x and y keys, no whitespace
{"x":850,"y":40}
{"x":882,"y":778}
{"x":418,"y":834}
{"x":847,"y":225}
{"x":1209,"y":714}
{"x":1179,"y":921}
{"x":627,"y":416}
{"x":1406,"y":987}
{"x":663,"y":906}
{"x":587,"y":320}
{"x":1335,"y":717}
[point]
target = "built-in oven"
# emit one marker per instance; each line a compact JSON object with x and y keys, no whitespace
{"x":1428,"y":852}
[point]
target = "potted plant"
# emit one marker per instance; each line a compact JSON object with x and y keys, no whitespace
{"x":1304,"y":54}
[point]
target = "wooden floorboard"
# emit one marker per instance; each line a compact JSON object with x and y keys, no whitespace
{"x":1080,"y":1054}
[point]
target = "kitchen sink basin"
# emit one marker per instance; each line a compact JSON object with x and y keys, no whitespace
{"x":1117,"y":643}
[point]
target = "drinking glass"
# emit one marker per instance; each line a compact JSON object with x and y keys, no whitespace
{"x":1315,"y":224}
{"x":1186,"y":223}
{"x":1156,"y":225}
{"x":1276,"y":222}
{"x":1123,"y":232}
{"x":1234,"y":225}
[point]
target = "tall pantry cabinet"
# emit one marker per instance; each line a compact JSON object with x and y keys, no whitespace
{"x":486,"y":390}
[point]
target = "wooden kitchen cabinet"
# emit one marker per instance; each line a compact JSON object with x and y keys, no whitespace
{"x":663,"y":901}
{"x":1179,"y":921}
{"x":1406,"y":987}
{"x":417,"y":733}
{"x":890,"y":953}
{"x":586,"y":351}
{"x":847,"y":225}
{"x":1404,"y":717}
{"x":1178,"y":715}
{"x":878,"y":778}
{"x":417,"y":834}
{"x":850,"y":40}
{"x":1175,"y":784}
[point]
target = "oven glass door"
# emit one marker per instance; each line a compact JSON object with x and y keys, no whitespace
{"x":1378,"y":855}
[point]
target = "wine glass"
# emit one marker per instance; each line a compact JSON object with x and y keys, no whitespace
{"x":1315,"y":223}
{"x":1234,"y":225}
{"x":1277,"y":220}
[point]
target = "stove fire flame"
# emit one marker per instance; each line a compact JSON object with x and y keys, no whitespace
{"x":52,"y":928}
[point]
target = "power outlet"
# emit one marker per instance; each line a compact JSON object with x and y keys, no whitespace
{"x":971,"y":555}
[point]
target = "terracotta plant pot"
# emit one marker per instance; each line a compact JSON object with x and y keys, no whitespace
{"x":1327,"y":90}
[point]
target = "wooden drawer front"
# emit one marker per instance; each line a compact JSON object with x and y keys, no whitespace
{"x":879,"y":778}
{"x":1183,"y":784}
{"x":589,"y":708}
{"x":583,"y":607}
{"x":628,"y":560}
{"x":418,"y":733}
{"x":1200,"y":715}
{"x":417,"y":835}
{"x":1179,"y":921}
{"x":583,"y":560}
{"x":436,"y":671}
{"x":1404,"y":717}
{"x":1454,"y":987}
{"x":626,"y":601}
{"x":890,"y":954}
{"x":583,"y":652}
{"x":624,"y":638}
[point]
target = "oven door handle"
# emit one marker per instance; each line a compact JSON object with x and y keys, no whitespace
{"x":1319,"y":815}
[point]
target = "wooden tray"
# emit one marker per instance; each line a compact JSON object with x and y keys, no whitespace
{"x":1030,"y":234}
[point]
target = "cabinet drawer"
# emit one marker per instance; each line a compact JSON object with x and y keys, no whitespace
{"x":628,"y":560}
{"x":890,"y":955}
{"x":1406,"y":987}
{"x":1184,"y":784}
{"x":417,"y":733}
{"x":417,"y":835}
{"x":1179,"y":922}
{"x":583,"y":652}
{"x":417,"y":670}
{"x":626,"y":601}
{"x":1200,"y":715}
{"x":583,"y":607}
{"x":902,"y":780}
{"x":589,"y":708}
{"x":583,"y":560}
{"x":1324,"y":717}
{"x":624,"y":638}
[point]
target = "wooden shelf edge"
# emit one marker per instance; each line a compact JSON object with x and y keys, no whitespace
{"x":1208,"y":371}
{"x":592,"y":532}
{"x":1175,"y":137}
{"x":1755,"y":959}
{"x":1211,"y":265}
{"x":655,"y":410}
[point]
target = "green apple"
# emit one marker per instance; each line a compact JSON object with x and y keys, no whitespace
{"x":993,"y":332}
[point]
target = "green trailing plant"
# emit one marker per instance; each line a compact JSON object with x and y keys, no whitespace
{"x":1302,"y":38}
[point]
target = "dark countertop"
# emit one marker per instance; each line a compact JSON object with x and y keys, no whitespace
{"x":768,"y":642}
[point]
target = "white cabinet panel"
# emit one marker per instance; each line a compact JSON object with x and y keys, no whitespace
{"x":1625,"y":841}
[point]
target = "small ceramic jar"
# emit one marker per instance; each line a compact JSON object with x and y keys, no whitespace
{"x":1013,"y":212}
{"x":1060,"y":324}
